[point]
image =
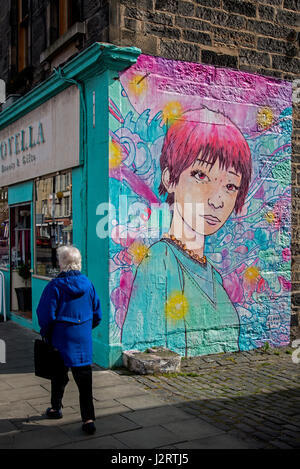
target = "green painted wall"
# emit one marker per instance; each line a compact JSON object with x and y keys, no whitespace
{"x":38,"y":286}
{"x":96,"y":178}
{"x":20,"y":193}
{"x":7,"y":292}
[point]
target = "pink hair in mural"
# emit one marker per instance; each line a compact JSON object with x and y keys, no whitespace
{"x":211,"y":137}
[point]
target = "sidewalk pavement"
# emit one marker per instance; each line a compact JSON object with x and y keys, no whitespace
{"x":239,"y":401}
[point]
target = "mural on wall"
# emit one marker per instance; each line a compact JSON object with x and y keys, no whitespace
{"x":200,"y":176}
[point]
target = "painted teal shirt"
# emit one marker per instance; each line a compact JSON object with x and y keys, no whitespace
{"x":178,"y":303}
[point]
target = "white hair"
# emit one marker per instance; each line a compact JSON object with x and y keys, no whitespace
{"x":69,"y":258}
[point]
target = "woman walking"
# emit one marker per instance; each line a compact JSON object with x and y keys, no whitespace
{"x":68,"y":310}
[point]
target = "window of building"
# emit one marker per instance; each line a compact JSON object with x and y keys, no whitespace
{"x":53,"y":221}
{"x":63,"y":14}
{"x":23,"y":34}
{"x":4,"y":229}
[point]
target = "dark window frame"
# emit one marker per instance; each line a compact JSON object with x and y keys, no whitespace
{"x":63,"y":15}
{"x":59,"y":214}
{"x":23,"y":34}
{"x":4,"y":199}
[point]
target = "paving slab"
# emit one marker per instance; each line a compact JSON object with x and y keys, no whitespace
{"x":144,"y":401}
{"x":103,"y":442}
{"x":21,"y":409}
{"x":108,"y":425}
{"x":20,"y":380}
{"x":4,"y":386}
{"x":102,"y":379}
{"x":122,"y":390}
{"x":148,"y":438}
{"x":107,"y":411}
{"x":22,"y":393}
{"x":221,"y":441}
{"x":34,"y":422}
{"x":109,"y":403}
{"x":6,"y":426}
{"x":157,"y":416}
{"x":40,"y":439}
{"x":6,"y":441}
{"x":192,"y":428}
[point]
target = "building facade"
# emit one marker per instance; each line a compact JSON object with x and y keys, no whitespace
{"x":99,"y":98}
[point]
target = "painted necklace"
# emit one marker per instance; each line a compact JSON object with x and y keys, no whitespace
{"x":183,"y":246}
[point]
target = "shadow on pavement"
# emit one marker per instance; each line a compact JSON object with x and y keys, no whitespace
{"x":131,"y":414}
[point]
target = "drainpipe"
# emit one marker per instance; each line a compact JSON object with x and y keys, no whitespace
{"x":84,"y":158}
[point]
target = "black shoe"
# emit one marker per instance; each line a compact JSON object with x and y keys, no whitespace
{"x":89,"y":428}
{"x":53,"y":414}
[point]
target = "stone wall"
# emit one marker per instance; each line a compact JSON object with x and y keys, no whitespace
{"x":257,"y":36}
{"x":94,"y":13}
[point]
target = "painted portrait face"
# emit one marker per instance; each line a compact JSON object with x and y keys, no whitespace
{"x":205,"y":195}
{"x":205,"y":151}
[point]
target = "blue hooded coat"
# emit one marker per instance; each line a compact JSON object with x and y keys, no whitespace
{"x":68,"y":310}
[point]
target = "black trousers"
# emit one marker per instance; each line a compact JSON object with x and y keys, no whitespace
{"x":83,"y":378}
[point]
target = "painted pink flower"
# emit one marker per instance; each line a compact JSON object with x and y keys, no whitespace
{"x":120,"y":296}
{"x":261,"y":286}
{"x":120,"y":315}
{"x":286,"y":284}
{"x":123,"y":258}
{"x":286,"y":254}
{"x":281,"y":211}
{"x":126,"y":280}
{"x":241,"y":249}
{"x":233,"y":286}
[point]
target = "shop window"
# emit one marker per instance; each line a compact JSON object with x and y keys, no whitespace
{"x":53,"y":221}
{"x":4,"y":229}
{"x":63,"y":14}
{"x":23,"y":34}
{"x":20,"y":236}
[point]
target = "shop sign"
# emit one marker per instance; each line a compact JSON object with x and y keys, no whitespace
{"x":36,"y":144}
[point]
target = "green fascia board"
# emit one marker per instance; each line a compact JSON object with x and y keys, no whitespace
{"x":20,"y":193}
{"x":92,"y":61}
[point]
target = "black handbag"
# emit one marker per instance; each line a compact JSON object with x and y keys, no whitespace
{"x":47,"y":360}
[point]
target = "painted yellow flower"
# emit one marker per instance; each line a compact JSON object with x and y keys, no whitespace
{"x":176,"y":307}
{"x":270,"y":217}
{"x":251,"y":274}
{"x":138,"y":251}
{"x":172,"y":111}
{"x":265,"y":117}
{"x":138,"y":85}
{"x":115,"y":154}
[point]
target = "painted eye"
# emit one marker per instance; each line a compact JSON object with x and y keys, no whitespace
{"x":199,"y":176}
{"x":232,"y":188}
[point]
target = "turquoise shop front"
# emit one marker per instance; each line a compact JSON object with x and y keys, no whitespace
{"x":54,"y":158}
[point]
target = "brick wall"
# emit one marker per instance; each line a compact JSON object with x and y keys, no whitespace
{"x":257,"y":36}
